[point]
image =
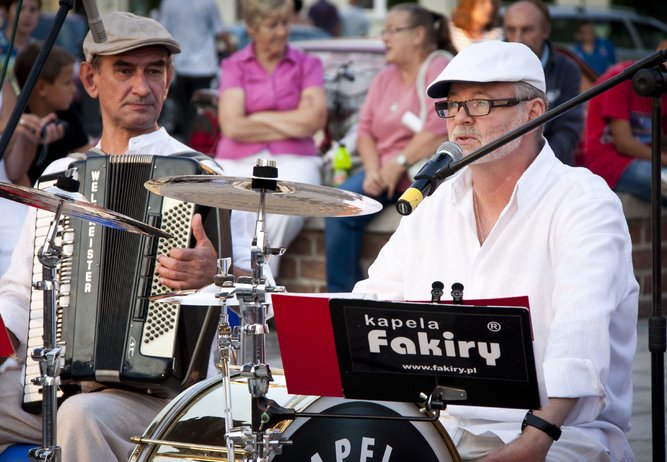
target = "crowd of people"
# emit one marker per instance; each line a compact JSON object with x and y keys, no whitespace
{"x":525,"y":205}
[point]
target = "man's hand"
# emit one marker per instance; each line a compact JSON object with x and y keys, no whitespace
{"x":531,"y":446}
{"x":189,"y":268}
{"x":391,"y":174}
{"x":373,"y":185}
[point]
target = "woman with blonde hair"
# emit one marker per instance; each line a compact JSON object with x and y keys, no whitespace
{"x":271,"y":103}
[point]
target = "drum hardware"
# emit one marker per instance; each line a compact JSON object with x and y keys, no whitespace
{"x":61,"y":200}
{"x":273,"y":413}
{"x":262,"y":193}
{"x":457,"y":293}
{"x":436,"y":291}
{"x":49,"y":357}
{"x":438,"y":399}
{"x":194,"y":418}
{"x":196,"y":447}
{"x":226,"y":344}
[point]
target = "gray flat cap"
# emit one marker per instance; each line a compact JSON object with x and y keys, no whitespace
{"x":126,"y":31}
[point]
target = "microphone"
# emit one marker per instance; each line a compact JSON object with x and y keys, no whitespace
{"x":427,"y":179}
{"x":94,"y":21}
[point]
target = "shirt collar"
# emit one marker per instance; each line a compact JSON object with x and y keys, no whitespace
{"x":248,"y":54}
{"x":532,"y":180}
{"x":141,"y":140}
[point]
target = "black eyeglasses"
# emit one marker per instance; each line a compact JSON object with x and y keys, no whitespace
{"x":474,"y":107}
{"x":393,"y":30}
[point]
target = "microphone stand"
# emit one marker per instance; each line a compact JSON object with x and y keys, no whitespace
{"x":645,"y":85}
{"x":22,"y":101}
{"x":49,"y":356}
{"x":653,"y":83}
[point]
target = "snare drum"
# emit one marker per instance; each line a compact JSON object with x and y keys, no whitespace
{"x":196,"y":418}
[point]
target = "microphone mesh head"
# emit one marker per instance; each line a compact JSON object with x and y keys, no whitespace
{"x":451,"y":148}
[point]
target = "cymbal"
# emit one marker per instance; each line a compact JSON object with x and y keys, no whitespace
{"x":50,"y":200}
{"x":289,"y":198}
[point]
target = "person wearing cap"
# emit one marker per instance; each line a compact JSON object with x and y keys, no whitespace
{"x":529,"y":22}
{"x":518,"y":222}
{"x":130,"y":74}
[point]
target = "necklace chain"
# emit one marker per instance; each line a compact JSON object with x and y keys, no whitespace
{"x":478,"y":219}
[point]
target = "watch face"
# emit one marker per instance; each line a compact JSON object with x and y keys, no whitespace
{"x":402,"y":160}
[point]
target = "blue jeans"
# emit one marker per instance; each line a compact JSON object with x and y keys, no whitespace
{"x":343,"y":238}
{"x":636,"y":180}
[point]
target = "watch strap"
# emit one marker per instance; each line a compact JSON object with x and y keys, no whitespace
{"x":550,"y":429}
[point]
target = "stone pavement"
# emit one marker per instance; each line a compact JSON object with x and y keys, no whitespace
{"x":641,"y":434}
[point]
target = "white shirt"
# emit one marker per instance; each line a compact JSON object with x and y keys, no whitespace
{"x":563,"y":241}
{"x":13,"y":214}
{"x":15,"y":285}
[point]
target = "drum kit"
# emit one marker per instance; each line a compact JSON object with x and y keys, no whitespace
{"x":245,"y":412}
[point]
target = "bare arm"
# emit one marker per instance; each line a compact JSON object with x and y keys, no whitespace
{"x":302,"y":122}
{"x":370,"y":158}
{"x":422,"y":145}
{"x":627,"y":144}
{"x":236,"y":124}
{"x":533,"y":444}
{"x":22,"y":149}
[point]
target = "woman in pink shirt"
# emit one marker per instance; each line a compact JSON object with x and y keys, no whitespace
{"x":398,"y":127}
{"x":271,"y":103}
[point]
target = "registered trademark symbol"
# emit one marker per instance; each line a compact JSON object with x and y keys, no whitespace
{"x":493,"y":326}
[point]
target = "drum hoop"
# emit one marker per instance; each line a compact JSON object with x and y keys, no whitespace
{"x":179,"y":406}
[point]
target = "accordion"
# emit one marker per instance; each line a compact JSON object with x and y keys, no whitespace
{"x":110,"y":329}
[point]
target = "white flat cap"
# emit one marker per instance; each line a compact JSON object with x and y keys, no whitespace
{"x":490,"y":61}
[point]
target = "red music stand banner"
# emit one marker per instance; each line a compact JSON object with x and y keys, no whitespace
{"x":307,"y":346}
{"x":307,"y":343}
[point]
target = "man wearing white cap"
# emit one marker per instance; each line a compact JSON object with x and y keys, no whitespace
{"x":520,"y":222}
{"x":130,"y":74}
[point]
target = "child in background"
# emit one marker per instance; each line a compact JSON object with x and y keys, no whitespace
{"x":597,"y":52}
{"x":53,"y":93}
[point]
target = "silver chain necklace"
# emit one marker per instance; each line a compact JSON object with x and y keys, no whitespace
{"x":478,"y":220}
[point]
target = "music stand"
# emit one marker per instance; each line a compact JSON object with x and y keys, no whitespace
{"x":393,"y":351}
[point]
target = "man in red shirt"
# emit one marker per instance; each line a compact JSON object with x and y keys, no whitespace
{"x":618,"y":136}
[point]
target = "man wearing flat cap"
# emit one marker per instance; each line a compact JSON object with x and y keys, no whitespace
{"x":130,"y":74}
{"x":518,"y":222}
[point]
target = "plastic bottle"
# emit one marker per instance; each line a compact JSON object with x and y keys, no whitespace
{"x":342,"y":163}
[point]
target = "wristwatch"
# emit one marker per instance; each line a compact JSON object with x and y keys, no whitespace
{"x":541,"y":424}
{"x":401,"y":160}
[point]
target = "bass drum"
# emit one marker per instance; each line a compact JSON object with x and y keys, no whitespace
{"x":192,"y":427}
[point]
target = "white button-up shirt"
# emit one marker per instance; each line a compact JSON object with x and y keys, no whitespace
{"x":563,"y":241}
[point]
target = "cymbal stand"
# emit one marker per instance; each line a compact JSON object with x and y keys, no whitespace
{"x":226,"y":344}
{"x":251,"y":294}
{"x":49,"y":357}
